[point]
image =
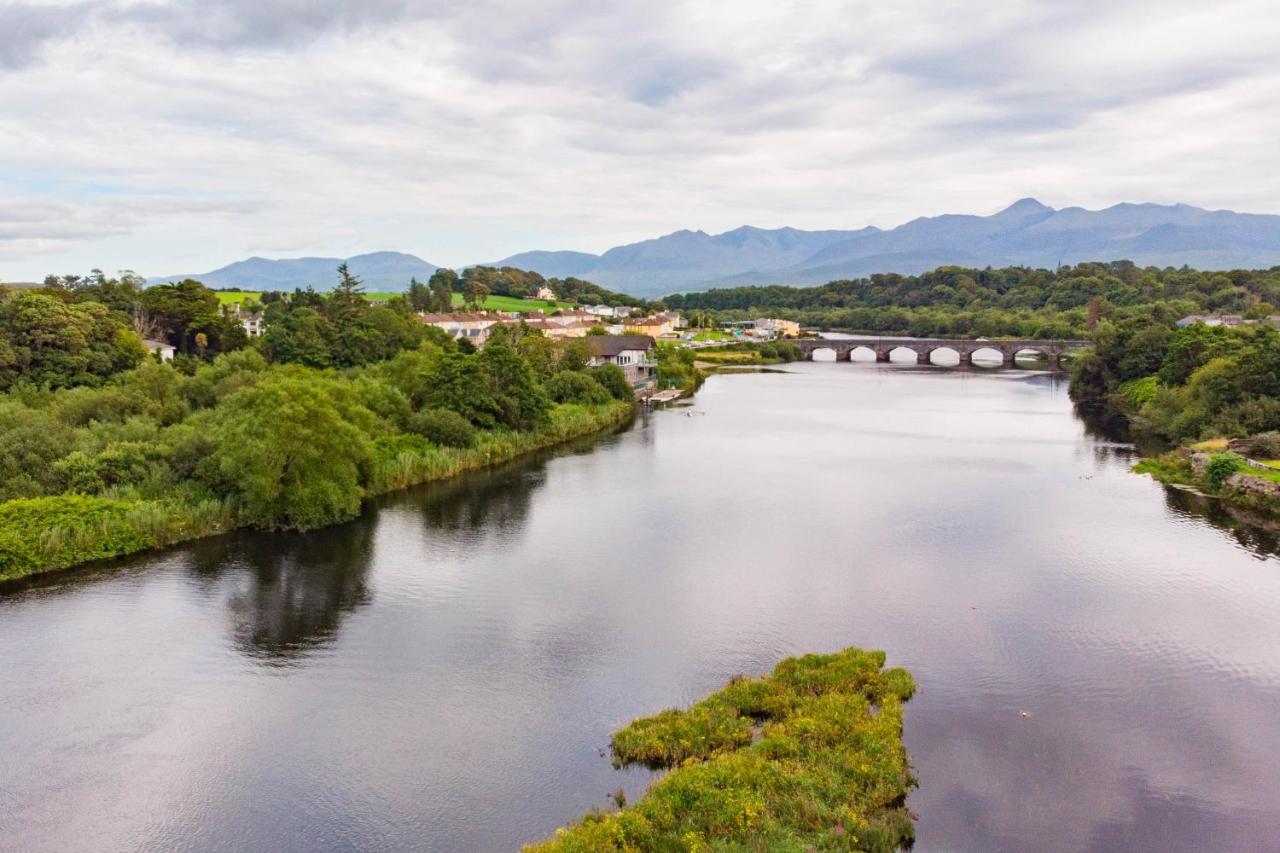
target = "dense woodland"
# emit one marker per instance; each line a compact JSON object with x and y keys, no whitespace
{"x":475,"y":283}
{"x":104,"y":450}
{"x":1014,"y":301}
{"x":1196,"y":382}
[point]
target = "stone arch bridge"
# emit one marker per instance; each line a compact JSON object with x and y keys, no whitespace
{"x":925,"y":347}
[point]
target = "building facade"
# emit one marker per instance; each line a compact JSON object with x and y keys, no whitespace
{"x":635,"y":354}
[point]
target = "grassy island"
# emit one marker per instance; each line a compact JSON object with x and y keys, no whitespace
{"x":807,"y":758}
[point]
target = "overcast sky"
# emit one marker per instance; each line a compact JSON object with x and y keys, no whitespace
{"x":173,"y":137}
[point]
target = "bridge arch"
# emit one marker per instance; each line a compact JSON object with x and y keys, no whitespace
{"x":951,"y":355}
{"x":1006,"y":350}
{"x":862,"y":351}
{"x":821,"y":353}
{"x":986,"y":355}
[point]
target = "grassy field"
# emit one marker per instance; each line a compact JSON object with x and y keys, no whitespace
{"x":244,"y":297}
{"x":712,"y":335}
{"x":512,"y":303}
{"x":492,"y":303}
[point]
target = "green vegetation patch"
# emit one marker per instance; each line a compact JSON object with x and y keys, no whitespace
{"x":43,"y":534}
{"x":512,"y":303}
{"x":808,"y":758}
{"x":243,"y":297}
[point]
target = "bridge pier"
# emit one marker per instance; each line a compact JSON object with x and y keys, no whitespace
{"x":922,"y":356}
{"x":1009,"y":359}
{"x":844,"y":354}
{"x":966,"y":358}
{"x":882,"y":355}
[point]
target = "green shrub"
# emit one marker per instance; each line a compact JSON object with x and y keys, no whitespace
{"x":614,"y":381}
{"x":574,"y":387}
{"x":1220,"y":467}
{"x":44,"y":533}
{"x":1139,"y":392}
{"x":444,"y":427}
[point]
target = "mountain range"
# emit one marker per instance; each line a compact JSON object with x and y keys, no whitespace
{"x":1025,"y":233}
{"x":386,"y":271}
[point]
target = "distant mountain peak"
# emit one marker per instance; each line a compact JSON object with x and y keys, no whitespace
{"x":1027,"y":232}
{"x":1024,"y":206}
{"x":380,"y":271}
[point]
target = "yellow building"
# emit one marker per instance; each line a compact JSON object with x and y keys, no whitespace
{"x":654,"y":327}
{"x":781,"y":328}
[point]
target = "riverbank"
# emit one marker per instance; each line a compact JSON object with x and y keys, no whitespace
{"x":1212,"y":469}
{"x":809,"y":757}
{"x":39,"y":535}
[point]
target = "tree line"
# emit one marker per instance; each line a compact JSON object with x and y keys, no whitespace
{"x":954,"y":301}
{"x":1195,"y":382}
{"x":476,"y":283}
{"x":156,"y":454}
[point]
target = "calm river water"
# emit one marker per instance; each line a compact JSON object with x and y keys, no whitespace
{"x":444,"y":673}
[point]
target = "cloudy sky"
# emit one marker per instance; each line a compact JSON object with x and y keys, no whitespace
{"x":172,"y":137}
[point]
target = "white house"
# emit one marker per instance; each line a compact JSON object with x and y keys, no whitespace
{"x":633,"y":353}
{"x":165,"y":350}
{"x":473,"y":326}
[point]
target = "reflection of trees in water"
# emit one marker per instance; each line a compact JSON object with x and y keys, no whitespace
{"x":1256,"y":533}
{"x":289,"y":592}
{"x":1112,"y":435}
{"x":494,"y":499}
{"x":497,"y":499}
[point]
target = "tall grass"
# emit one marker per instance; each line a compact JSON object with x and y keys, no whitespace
{"x":412,"y":466}
{"x":45,"y":534}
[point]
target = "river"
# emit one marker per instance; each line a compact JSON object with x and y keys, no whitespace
{"x":1098,"y":657}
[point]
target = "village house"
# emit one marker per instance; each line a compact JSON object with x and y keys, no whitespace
{"x":546,"y":294}
{"x":159,"y":348}
{"x":251,"y":322}
{"x":474,"y":326}
{"x":656,"y":326}
{"x":635,"y":354}
{"x":618,"y":311}
{"x":558,"y":329}
{"x":569,"y":318}
{"x":1210,"y":320}
{"x":1229,"y":320}
{"x":778,"y":328}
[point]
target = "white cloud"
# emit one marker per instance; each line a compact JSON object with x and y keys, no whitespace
{"x":466,"y":132}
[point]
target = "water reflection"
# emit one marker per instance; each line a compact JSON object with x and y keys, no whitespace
{"x":1252,"y":531}
{"x":287,"y":594}
{"x":443,"y":673}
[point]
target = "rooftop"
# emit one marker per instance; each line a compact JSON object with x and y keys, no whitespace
{"x":611,"y":345}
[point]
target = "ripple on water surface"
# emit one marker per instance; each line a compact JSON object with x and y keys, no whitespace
{"x":1098,"y":658}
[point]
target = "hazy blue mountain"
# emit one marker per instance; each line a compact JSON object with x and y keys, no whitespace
{"x":1027,"y":232}
{"x":387,"y":271}
{"x":552,"y":264}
